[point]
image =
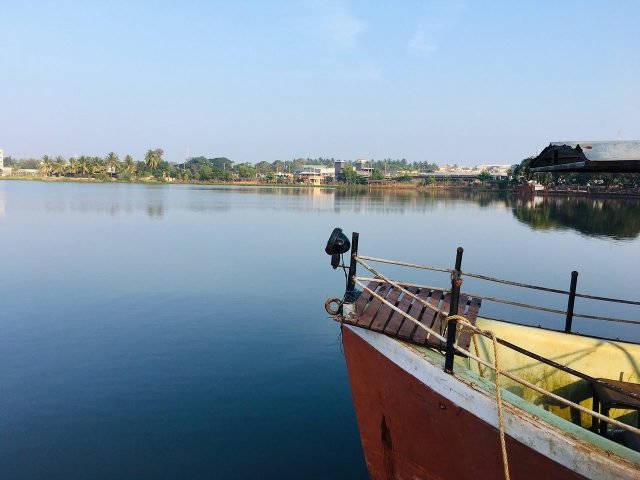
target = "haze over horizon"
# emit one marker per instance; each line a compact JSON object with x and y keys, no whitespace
{"x":443,"y":82}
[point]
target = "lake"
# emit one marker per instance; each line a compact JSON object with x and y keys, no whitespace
{"x":173,"y":331}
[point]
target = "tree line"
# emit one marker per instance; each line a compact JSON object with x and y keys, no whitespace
{"x":154,"y":166}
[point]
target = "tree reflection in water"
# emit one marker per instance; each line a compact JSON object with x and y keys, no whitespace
{"x":598,"y":217}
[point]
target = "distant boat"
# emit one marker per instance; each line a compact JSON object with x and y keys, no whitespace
{"x":425,"y":387}
{"x":529,"y":188}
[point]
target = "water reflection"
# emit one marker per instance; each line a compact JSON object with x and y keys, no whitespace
{"x":614,"y":218}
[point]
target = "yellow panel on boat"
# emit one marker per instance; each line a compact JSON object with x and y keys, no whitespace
{"x":595,"y":357}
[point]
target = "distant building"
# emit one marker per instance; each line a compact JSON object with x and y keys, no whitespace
{"x":499,"y":170}
{"x":362,"y":169}
{"x":3,"y":171}
{"x":316,"y":174}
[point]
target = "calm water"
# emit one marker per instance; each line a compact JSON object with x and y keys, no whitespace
{"x":178,"y":332}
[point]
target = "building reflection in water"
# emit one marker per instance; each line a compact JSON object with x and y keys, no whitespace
{"x":616,"y":218}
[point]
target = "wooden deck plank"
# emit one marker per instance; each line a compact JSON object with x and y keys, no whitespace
{"x":365,"y":319}
{"x":396,"y":319}
{"x":385,"y":311}
{"x":365,"y":297}
{"x":472,"y":314}
{"x":446,"y":305}
{"x":372,"y":314}
{"x":428,"y":317}
{"x":361,"y":302}
{"x":407,"y":327}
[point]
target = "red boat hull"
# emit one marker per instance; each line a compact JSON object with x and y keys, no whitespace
{"x":409,"y":431}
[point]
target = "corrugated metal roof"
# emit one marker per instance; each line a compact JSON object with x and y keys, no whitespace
{"x":589,"y":156}
{"x":606,"y":150}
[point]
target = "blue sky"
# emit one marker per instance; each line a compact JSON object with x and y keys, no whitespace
{"x":445,"y":82}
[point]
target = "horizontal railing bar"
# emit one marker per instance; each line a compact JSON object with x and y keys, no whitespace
{"x":499,"y":280}
{"x":546,"y":393}
{"x":566,"y":369}
{"x":509,"y":302}
{"x":404,"y":284}
{"x":406,"y":264}
{"x":552,"y":310}
{"x":516,"y":379}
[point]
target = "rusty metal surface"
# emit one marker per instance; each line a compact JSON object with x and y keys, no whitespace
{"x":409,"y":431}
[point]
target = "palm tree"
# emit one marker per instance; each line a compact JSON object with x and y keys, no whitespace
{"x":73,"y":166}
{"x":46,"y":166}
{"x":153,"y":158}
{"x":84,"y":166}
{"x":112,"y":162}
{"x":129,"y":165}
{"x":59,"y":167}
{"x":97,"y":166}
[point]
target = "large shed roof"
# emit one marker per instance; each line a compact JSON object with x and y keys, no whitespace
{"x":589,"y":156}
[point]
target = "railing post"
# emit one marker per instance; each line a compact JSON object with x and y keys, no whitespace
{"x":572,"y":300}
{"x":349,"y":296}
{"x":456,"y":283}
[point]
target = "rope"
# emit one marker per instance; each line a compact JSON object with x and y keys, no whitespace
{"x":552,"y":310}
{"x":510,"y":376}
{"x":474,"y":330}
{"x":405,"y":264}
{"x":405,"y":284}
{"x":500,"y":280}
{"x":393,"y":284}
{"x":503,"y":301}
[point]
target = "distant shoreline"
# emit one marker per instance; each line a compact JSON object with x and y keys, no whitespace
{"x":395,"y":186}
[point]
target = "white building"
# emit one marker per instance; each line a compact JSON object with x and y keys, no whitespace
{"x":316,"y":174}
{"x":362,"y":169}
{"x":3,"y":171}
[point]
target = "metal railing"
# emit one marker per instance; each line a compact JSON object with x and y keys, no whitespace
{"x":452,"y":322}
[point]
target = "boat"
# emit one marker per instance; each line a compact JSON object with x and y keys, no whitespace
{"x":442,"y":393}
{"x":528,"y":189}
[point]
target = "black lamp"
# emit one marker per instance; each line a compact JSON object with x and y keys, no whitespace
{"x":337,"y":244}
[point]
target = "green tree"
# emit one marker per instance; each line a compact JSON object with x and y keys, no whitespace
{"x":484,"y":177}
{"x":113,"y":162}
{"x":377,"y":174}
{"x":263,"y":167}
{"x":59,"y":167}
{"x":246,"y":171}
{"x":129,"y":165}
{"x":349,"y":175}
{"x":84,"y":166}
{"x":277,"y":166}
{"x":97,"y":166}
{"x":72,"y":168}
{"x":46,"y":166}
{"x":153,"y":158}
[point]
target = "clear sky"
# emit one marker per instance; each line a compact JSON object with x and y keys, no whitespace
{"x":445,"y":82}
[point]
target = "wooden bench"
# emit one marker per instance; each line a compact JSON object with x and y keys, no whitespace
{"x":372,"y":314}
{"x":605,"y":399}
